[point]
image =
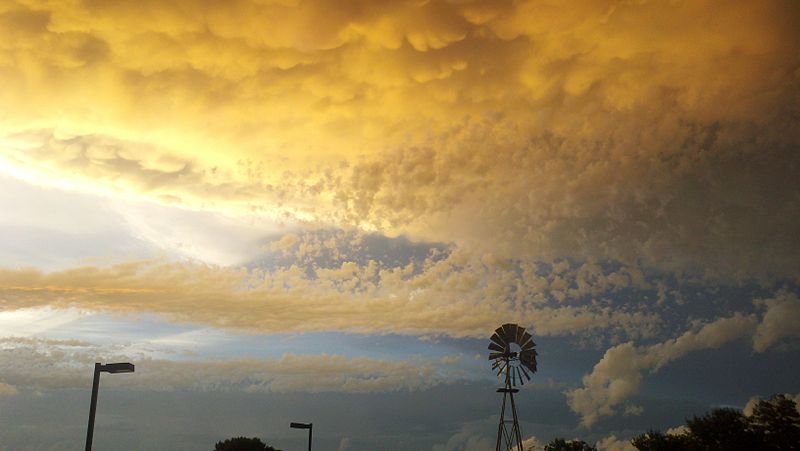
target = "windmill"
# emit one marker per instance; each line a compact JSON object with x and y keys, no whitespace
{"x":514,"y":358}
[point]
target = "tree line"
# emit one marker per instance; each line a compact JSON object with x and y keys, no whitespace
{"x":773,"y":425}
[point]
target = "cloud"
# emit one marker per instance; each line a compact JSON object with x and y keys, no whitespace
{"x":612,"y":443}
{"x":460,"y":295}
{"x":7,"y":390}
{"x":781,"y":320}
{"x":754,"y":400}
{"x":47,"y":364}
{"x":514,"y":127}
{"x":470,"y":437}
{"x":532,"y":444}
{"x":618,"y":375}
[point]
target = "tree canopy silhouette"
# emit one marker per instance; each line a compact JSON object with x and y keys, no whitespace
{"x":774,"y":425}
{"x":559,"y":444}
{"x":243,"y":444}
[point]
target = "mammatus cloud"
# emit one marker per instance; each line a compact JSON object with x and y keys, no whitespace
{"x":618,"y":375}
{"x":516,"y":127}
{"x":46,"y":364}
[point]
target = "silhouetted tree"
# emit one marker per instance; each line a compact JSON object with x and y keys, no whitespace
{"x":722,"y":429}
{"x":243,"y":444}
{"x":773,"y":426}
{"x":658,"y":441}
{"x":777,"y":423}
{"x":560,"y":444}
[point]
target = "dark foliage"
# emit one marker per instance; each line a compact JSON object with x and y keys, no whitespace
{"x":560,"y":444}
{"x":243,"y":444}
{"x":777,"y":422}
{"x":658,"y":441}
{"x":773,"y":426}
{"x":722,"y":429}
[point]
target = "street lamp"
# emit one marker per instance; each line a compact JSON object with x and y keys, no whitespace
{"x":303,"y":426}
{"x":112,"y":368}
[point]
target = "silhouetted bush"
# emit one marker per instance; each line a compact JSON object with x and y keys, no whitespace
{"x":560,"y":444}
{"x":243,"y":444}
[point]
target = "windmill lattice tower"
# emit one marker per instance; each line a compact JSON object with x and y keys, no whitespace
{"x":514,"y":359}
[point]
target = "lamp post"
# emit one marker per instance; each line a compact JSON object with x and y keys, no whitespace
{"x":303,"y":426}
{"x":112,"y":368}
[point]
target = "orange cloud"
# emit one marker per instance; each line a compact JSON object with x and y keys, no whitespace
{"x":649,"y":131}
{"x":460,"y":296}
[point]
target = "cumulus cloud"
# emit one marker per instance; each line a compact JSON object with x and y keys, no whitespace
{"x":470,"y":436}
{"x":781,"y":320}
{"x":618,"y":375}
{"x":754,"y":400}
{"x":43,"y":364}
{"x":532,"y":444}
{"x":612,"y":443}
{"x":517,"y":127}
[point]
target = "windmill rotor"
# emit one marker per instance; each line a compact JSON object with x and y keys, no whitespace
{"x":513,"y":353}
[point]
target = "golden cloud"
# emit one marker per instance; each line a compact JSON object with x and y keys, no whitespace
{"x":659,"y":132}
{"x":459,"y":296}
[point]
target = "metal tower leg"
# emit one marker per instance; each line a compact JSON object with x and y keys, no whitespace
{"x":513,"y":437}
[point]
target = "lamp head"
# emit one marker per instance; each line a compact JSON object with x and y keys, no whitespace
{"x":300,"y":425}
{"x":115,"y":368}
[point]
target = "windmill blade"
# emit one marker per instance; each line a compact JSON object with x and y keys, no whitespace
{"x":522,"y":368}
{"x":495,"y":355}
{"x":520,"y":334}
{"x":531,"y":365}
{"x":496,"y":347}
{"x":502,"y":367}
{"x":498,"y":339}
{"x":526,"y":337}
{"x":519,"y":375}
{"x":528,"y":359}
{"x":510,"y":331}
{"x":496,"y":364}
{"x":529,"y":345}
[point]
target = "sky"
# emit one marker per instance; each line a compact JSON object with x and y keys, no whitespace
{"x":319,"y":211}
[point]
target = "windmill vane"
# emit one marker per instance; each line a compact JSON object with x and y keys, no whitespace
{"x":513,"y":353}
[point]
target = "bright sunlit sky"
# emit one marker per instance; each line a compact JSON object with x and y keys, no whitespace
{"x":319,"y":211}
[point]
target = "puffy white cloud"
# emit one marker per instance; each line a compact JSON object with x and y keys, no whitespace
{"x":781,"y":320}
{"x":754,"y":400}
{"x":612,"y":443}
{"x":618,"y":375}
{"x":532,"y":444}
